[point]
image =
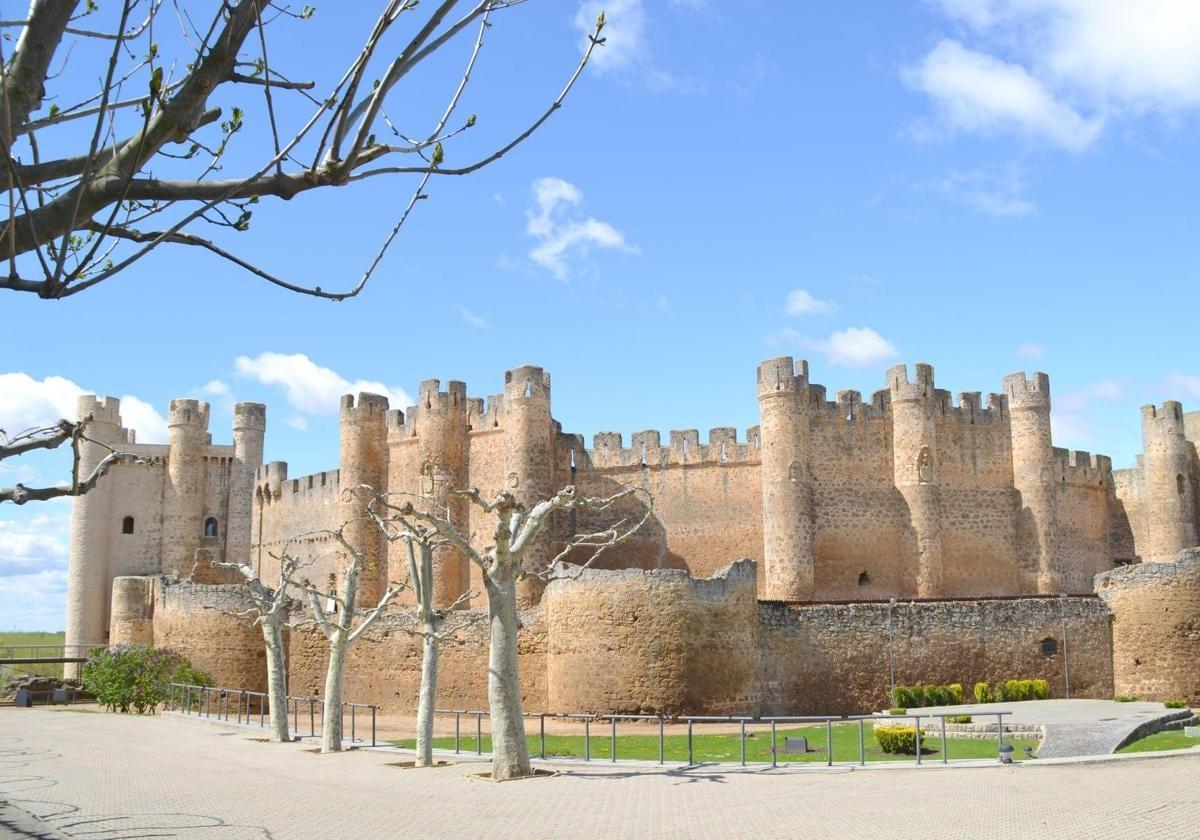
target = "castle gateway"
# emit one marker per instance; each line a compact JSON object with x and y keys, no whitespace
{"x":945,"y":539}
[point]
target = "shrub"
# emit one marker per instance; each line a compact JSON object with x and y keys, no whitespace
{"x":959,"y":719}
{"x":1001,"y":693}
{"x":983,"y":694}
{"x":1125,"y":698}
{"x":956,"y":693}
{"x":897,"y":710}
{"x":136,"y":677}
{"x":1176,"y":704}
{"x":902,"y":695}
{"x":1041,"y":689}
{"x":897,"y":739}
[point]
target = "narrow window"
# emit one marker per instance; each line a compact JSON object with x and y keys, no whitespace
{"x":1049,"y":647}
{"x":863,"y":579}
{"x":1180,"y":484}
{"x":127,"y":525}
{"x":210,"y":526}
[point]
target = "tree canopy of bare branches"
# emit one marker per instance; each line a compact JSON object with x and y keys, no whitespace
{"x":52,"y":437}
{"x":112,"y":146}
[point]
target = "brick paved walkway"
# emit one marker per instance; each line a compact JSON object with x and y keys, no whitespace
{"x":106,"y":777}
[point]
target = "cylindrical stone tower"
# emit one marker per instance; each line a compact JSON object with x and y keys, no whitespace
{"x":92,"y":528}
{"x":783,"y":406}
{"x":183,"y":489}
{"x":529,"y":459}
{"x":1170,"y":496}
{"x":249,"y":425}
{"x":1033,"y":478}
{"x":363,"y":460}
{"x":915,"y":470}
{"x":441,"y":424}
{"x":132,"y":616}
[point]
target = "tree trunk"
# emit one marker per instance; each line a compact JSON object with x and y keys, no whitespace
{"x":428,"y":698}
{"x":335,"y":677}
{"x":510,"y":753}
{"x":276,"y":681}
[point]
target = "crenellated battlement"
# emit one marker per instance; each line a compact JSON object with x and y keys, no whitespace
{"x":683,"y":447}
{"x":101,"y":409}
{"x":782,"y":375}
{"x":848,"y":405}
{"x":367,"y":405}
{"x":1027,"y":394}
{"x":1075,"y":466}
{"x":249,"y":416}
{"x":1166,"y":420}
{"x":527,"y":382}
{"x":920,"y":388}
{"x":188,"y":412}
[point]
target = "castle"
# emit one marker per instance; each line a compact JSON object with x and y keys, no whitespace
{"x":908,"y":535}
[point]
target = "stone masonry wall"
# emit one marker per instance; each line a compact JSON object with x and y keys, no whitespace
{"x":1156,"y":630}
{"x":834,"y":658}
{"x":228,"y":649}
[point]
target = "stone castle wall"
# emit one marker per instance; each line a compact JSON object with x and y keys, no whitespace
{"x":1156,"y":633}
{"x":197,"y":621}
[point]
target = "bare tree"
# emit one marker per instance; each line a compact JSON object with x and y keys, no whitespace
{"x":52,"y":437}
{"x":503,"y":564}
{"x":271,"y":611}
{"x":343,"y":623}
{"x":131,"y":105}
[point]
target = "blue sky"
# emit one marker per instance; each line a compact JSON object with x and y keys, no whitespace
{"x":986,"y":185}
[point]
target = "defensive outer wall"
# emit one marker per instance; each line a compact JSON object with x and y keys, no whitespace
{"x":909,"y":537}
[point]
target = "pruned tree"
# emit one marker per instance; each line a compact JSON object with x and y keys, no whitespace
{"x":52,"y":437}
{"x":271,"y":613}
{"x":504,"y":563}
{"x":136,"y":143}
{"x":336,"y":614}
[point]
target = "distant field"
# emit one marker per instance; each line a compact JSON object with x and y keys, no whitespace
{"x":8,"y":639}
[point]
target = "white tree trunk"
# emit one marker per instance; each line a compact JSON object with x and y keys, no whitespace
{"x":510,"y":753}
{"x":276,"y":681}
{"x":335,"y":678}
{"x":428,"y":697}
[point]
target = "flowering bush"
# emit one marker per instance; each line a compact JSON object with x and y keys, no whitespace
{"x":136,"y":677}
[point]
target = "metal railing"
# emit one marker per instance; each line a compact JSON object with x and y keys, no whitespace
{"x":742,"y":721}
{"x":240,"y":705}
{"x":47,"y":654}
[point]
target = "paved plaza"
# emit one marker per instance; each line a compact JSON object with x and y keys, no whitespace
{"x":105,"y":777}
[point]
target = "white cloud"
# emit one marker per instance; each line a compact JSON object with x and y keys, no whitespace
{"x":978,"y":93}
{"x":1031,"y":351}
{"x":856,"y":347}
{"x":309,"y":387}
{"x":220,"y":394}
{"x":800,"y":302}
{"x":476,"y":321}
{"x":34,"y":601}
{"x":624,"y":32}
{"x":26,"y":403}
{"x":1183,"y":385}
{"x":996,"y":191}
{"x":1081,"y":399}
{"x":299,"y":423}
{"x":35,"y":545}
{"x":565,"y":239}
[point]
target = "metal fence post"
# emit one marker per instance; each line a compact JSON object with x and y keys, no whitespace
{"x":312,"y":718}
{"x":773,"y":757}
{"x":862,"y":749}
{"x":945,"y":760}
{"x":296,"y":715}
{"x":742,"y":728}
{"x":352,"y":730}
{"x":1000,"y":735}
{"x":690,"y":761}
{"x":661,"y":752}
{"x":479,"y":733}
{"x":373,"y":708}
{"x":542,"y":735}
{"x":457,"y":730}
{"x":828,"y":742}
{"x":918,"y":739}
{"x":587,"y":739}
{"x":614,"y":739}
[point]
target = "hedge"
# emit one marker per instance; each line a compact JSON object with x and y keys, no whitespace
{"x":916,"y":696}
{"x":897,"y":739}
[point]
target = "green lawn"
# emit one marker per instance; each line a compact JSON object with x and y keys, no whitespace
{"x":726,"y":747}
{"x":1170,"y":740}
{"x":31,"y":638}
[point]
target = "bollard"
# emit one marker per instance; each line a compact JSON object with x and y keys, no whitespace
{"x":773,"y":757}
{"x":660,"y":739}
{"x":828,"y":742}
{"x":862,"y":750}
{"x":614,"y":739}
{"x":944,"y":748}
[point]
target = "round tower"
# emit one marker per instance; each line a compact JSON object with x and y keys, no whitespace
{"x":1033,"y":478}
{"x":915,"y":470}
{"x":441,"y":425}
{"x":363,"y":459}
{"x":132,"y":611}
{"x":529,"y":459}
{"x":183,"y":490}
{"x":1168,"y":466}
{"x":249,"y":426}
{"x":92,"y":528}
{"x":783,"y":406}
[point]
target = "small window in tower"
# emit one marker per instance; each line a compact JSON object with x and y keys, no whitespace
{"x":864,"y":579}
{"x":210,"y":526}
{"x":1180,"y":484}
{"x":1049,"y":647}
{"x":127,"y":525}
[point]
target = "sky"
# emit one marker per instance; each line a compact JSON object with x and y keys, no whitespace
{"x":984,"y":185}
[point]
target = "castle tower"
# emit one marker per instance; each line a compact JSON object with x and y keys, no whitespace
{"x":783,"y":405}
{"x":92,"y":528}
{"x":441,"y":426}
{"x":529,"y":459}
{"x":915,"y":469}
{"x":363,"y":460}
{"x":249,"y":425}
{"x":1033,"y":478}
{"x":183,"y":489}
{"x":1170,"y":492}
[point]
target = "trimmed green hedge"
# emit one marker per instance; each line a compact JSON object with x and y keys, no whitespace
{"x":916,"y":696}
{"x":1012,"y":691}
{"x":897,"y":740}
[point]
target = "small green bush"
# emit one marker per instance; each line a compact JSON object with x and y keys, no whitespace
{"x":1041,"y":689}
{"x":956,"y":693}
{"x":959,"y":719}
{"x":1176,"y":704}
{"x":1126,"y":698}
{"x":897,"y":740}
{"x":983,"y":694}
{"x":902,"y":695}
{"x":897,"y":710}
{"x":136,"y":677}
